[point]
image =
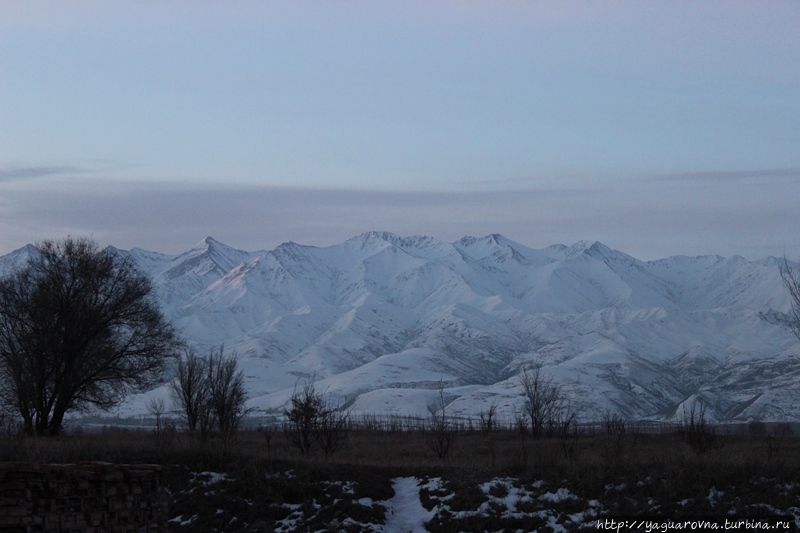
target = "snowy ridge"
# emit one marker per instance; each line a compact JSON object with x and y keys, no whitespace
{"x":380,"y":319}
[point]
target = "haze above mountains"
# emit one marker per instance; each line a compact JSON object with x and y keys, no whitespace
{"x":379,"y":320}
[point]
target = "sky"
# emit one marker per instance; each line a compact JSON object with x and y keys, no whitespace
{"x":657,"y":128}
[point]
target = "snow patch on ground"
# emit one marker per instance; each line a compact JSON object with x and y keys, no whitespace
{"x":210,"y":478}
{"x":291,"y":522}
{"x":404,"y":511}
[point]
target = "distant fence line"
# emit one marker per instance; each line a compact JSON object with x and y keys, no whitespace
{"x":401,"y":423}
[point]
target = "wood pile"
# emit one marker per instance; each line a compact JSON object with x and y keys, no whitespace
{"x":82,"y":498}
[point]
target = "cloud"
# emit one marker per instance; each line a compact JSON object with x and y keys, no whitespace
{"x":647,"y":221}
{"x":9,"y":174}
{"x":777,"y":173}
{"x":170,"y":218}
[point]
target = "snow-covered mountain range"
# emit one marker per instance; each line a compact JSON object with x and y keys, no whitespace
{"x":379,"y":320}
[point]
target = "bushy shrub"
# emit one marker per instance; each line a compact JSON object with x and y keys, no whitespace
{"x":312,"y":422}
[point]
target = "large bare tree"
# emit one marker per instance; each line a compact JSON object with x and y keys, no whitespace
{"x":79,"y":328}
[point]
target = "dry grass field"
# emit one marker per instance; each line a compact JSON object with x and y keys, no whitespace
{"x":488,"y":481}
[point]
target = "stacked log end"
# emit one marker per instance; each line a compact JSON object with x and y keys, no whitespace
{"x":89,"y":497}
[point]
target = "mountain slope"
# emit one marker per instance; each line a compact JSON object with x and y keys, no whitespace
{"x":381,"y":319}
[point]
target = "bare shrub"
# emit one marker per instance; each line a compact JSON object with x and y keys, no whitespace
{"x":312,"y":422}
{"x":543,"y":402}
{"x":269,"y":433}
{"x":157,"y":407}
{"x":613,"y":423}
{"x":488,"y":419}
{"x":301,"y":418}
{"x":616,"y":427}
{"x":520,"y":428}
{"x":440,"y":429}
{"x":568,"y":433}
{"x":696,"y":430}
{"x":331,"y":431}
{"x":776,"y":441}
{"x":520,"y":423}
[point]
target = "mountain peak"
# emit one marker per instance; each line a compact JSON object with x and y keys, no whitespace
{"x":577,"y":249}
{"x":592,"y":248}
{"x":207,"y":244}
{"x":210,"y":245}
{"x":496,"y":239}
{"x":206,"y":257}
{"x":600,"y":248}
{"x":378,"y":235}
{"x":17,"y":259}
{"x":493,"y":239}
{"x":599,"y":245}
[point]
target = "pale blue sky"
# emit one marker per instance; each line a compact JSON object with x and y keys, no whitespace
{"x":658,"y":128}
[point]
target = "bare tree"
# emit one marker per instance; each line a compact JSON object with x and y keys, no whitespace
{"x":79,"y":328}
{"x":158,"y":408}
{"x":226,"y":391}
{"x":696,"y":429}
{"x":441,"y":430}
{"x":613,"y":423}
{"x":269,"y":432}
{"x":488,"y":419}
{"x":543,"y":402}
{"x":331,"y":429}
{"x":189,"y":391}
{"x":312,"y":422}
{"x":791,"y":280}
{"x":521,"y":425}
{"x":568,"y":432}
{"x":302,"y":417}
{"x":209,"y":393}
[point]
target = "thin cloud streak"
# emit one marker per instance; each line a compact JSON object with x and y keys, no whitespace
{"x":8,"y":174}
{"x":779,"y":173}
{"x":645,"y":221}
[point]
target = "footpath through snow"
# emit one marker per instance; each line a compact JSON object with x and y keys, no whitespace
{"x":404,"y":511}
